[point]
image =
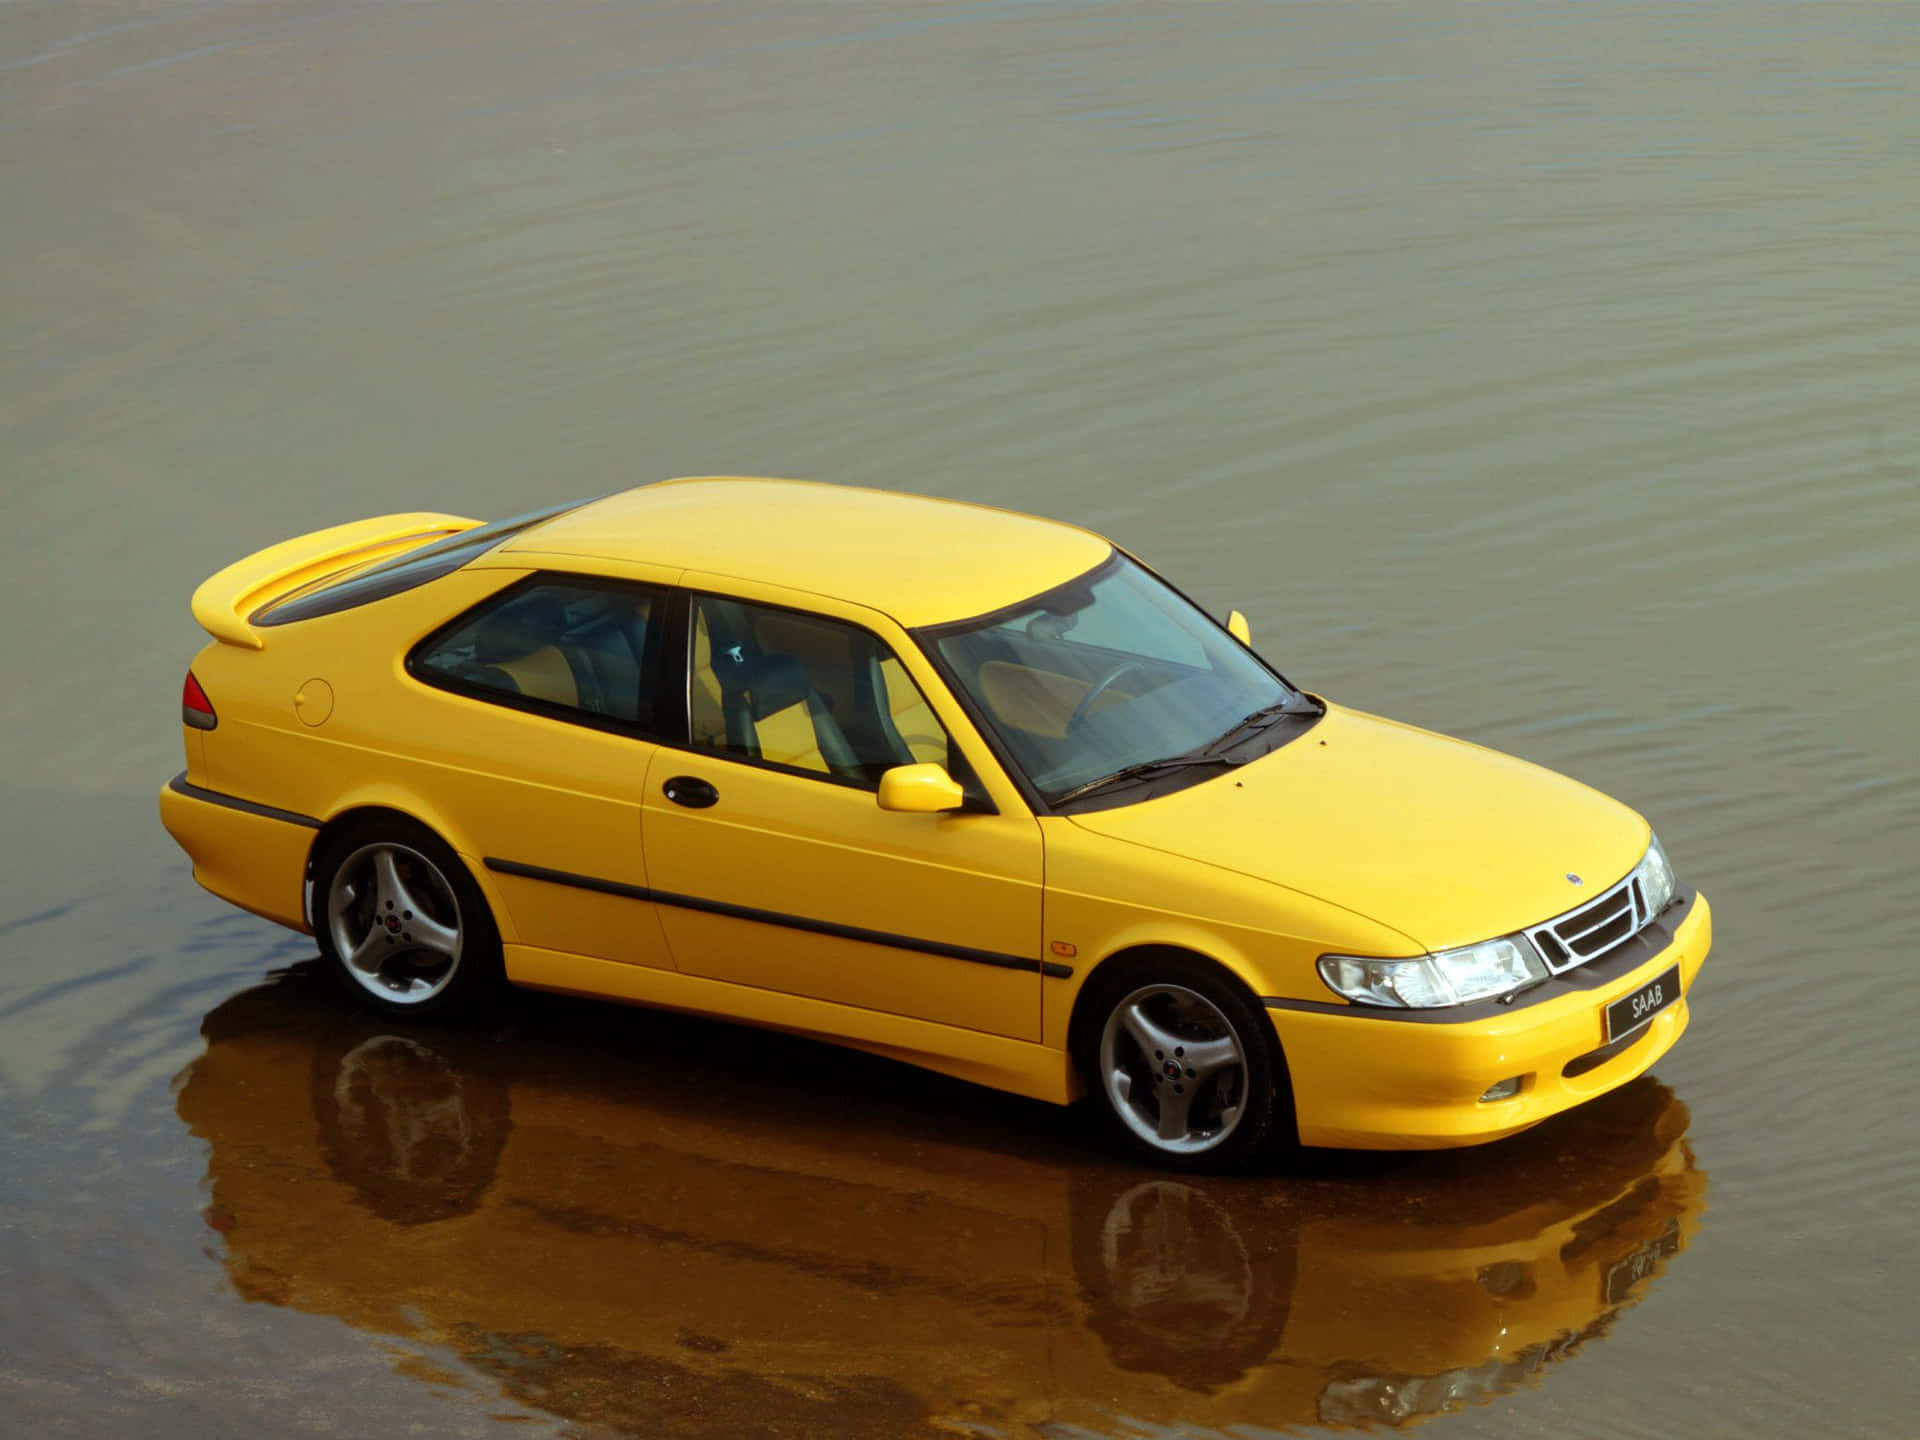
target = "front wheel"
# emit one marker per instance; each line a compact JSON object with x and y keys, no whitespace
{"x":400,"y":923}
{"x":1184,"y":1066}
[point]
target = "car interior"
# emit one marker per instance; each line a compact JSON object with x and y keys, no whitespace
{"x":1039,"y":689}
{"x":794,"y":690}
{"x":806,"y":692}
{"x":579,"y":648}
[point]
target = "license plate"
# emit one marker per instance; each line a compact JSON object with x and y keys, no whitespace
{"x":1624,"y":1276}
{"x":1630,"y":1012}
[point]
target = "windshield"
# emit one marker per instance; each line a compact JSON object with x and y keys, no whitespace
{"x":1109,"y":671}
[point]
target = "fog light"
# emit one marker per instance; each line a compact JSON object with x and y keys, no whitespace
{"x":1505,"y":1090}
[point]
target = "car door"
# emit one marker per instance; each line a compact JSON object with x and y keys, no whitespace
{"x":772,"y":861}
{"x":541,"y":705}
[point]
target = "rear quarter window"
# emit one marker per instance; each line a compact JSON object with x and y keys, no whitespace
{"x":588,"y":651}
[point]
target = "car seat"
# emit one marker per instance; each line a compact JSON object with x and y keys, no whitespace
{"x":773,"y":712}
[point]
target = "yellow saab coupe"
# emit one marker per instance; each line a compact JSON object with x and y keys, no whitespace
{"x":967,"y":788}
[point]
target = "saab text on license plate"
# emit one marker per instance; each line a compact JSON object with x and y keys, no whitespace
{"x":1630,"y":1012}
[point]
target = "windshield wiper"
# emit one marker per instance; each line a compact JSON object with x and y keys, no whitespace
{"x":1254,"y":723}
{"x":1145,"y":770}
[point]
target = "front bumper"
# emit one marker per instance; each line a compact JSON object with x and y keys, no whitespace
{"x":1372,"y":1079}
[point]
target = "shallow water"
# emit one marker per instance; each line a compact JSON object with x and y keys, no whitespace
{"x":1547,"y":374}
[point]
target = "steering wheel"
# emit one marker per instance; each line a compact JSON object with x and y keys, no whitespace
{"x":1100,"y":687}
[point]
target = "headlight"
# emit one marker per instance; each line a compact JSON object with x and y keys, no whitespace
{"x":1447,"y":977}
{"x":1656,"y":879}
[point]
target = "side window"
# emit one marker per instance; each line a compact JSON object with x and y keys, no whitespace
{"x":807,"y":693}
{"x":581,"y":647}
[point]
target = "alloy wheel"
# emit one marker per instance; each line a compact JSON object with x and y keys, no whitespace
{"x":395,"y":923}
{"x":1173,"y":1068}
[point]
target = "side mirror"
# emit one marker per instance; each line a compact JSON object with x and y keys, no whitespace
{"x":1237,"y":627}
{"x":920,"y":790}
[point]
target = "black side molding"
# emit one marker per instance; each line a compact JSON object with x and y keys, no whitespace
{"x":1047,"y":968}
{"x":567,"y":877}
{"x":180,"y":785}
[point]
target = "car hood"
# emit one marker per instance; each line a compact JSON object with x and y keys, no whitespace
{"x":1444,"y":841}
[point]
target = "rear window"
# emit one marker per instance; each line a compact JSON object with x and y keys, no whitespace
{"x":402,"y":573}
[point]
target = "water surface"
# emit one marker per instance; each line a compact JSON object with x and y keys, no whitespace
{"x":1547,"y":374}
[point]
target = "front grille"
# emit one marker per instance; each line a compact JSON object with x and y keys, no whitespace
{"x":1592,"y":930}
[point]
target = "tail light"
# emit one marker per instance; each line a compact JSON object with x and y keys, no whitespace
{"x":195,"y":709}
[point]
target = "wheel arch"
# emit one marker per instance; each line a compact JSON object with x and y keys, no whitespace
{"x":1138,"y":959}
{"x":1081,"y":1020}
{"x":366,"y":809}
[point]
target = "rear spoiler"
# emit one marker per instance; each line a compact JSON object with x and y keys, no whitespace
{"x":224,"y":601}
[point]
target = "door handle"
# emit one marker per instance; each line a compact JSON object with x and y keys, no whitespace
{"x":690,"y":791}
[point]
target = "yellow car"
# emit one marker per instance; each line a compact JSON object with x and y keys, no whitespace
{"x":961,"y":787}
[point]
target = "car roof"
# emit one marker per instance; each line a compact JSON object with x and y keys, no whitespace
{"x":924,"y":561}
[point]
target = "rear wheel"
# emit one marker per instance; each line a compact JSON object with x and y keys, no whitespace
{"x":1184,"y":1065}
{"x":401,"y":924}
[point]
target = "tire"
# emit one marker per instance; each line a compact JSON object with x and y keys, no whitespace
{"x":413,"y":1125}
{"x":1183,"y":1065}
{"x":1193,"y":1282}
{"x":401,"y":925}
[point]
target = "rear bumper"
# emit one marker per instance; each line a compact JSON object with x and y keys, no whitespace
{"x":248,"y":854}
{"x":1379,"y":1081}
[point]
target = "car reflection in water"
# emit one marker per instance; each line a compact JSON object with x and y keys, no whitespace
{"x":664,"y":1226}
